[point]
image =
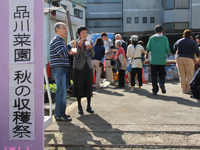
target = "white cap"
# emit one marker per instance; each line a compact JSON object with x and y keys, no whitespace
{"x":134,"y":38}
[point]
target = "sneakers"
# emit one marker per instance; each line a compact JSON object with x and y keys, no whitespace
{"x":131,"y":90}
{"x":163,"y":89}
{"x":63,"y":118}
{"x":187,"y":92}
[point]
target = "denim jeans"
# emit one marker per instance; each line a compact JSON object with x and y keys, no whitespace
{"x":162,"y":73}
{"x":61,"y":76}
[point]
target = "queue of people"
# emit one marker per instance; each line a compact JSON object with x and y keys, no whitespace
{"x":88,"y":60}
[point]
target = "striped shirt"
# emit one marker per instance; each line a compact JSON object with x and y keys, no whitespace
{"x":59,"y":53}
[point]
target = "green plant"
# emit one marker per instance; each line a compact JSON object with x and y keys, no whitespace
{"x":52,"y":87}
{"x":45,"y":87}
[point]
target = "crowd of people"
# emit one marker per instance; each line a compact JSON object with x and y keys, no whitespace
{"x":129,"y":58}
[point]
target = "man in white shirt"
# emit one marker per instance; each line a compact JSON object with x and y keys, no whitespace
{"x":108,"y":44}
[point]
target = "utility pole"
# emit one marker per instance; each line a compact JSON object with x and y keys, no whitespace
{"x":69,"y":24}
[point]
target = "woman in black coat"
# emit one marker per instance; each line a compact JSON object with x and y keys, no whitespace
{"x":83,"y":70}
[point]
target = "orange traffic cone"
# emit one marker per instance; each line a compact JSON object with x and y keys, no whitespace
{"x":143,"y":79}
{"x":48,"y":70}
{"x":126,"y":77}
{"x":94,"y":78}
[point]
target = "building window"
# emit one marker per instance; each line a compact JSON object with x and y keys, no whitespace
{"x":93,"y":23}
{"x":97,"y":1}
{"x":182,"y":25}
{"x":128,"y":19}
{"x":115,"y":1}
{"x":169,"y":4}
{"x":169,"y":26}
{"x":55,"y":3}
{"x":103,"y":22}
{"x":115,"y":22}
{"x":144,"y":19}
{"x":181,"y":4}
{"x":136,"y":19}
{"x":152,"y":20}
{"x":176,"y":26}
{"x":175,"y":4}
{"x":93,"y":1}
{"x":78,"y":13}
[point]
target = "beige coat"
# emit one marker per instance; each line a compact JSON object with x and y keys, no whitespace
{"x":123,"y":62}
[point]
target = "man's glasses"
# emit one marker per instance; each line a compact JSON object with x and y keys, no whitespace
{"x":63,"y":28}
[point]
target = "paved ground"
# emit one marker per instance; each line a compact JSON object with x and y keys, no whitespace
{"x":118,"y":110}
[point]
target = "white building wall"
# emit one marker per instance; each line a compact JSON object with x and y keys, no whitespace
{"x":195,"y":14}
{"x":105,"y":12}
{"x":141,"y":8}
{"x":176,"y":15}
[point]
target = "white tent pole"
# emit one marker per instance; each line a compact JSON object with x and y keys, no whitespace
{"x":48,"y":90}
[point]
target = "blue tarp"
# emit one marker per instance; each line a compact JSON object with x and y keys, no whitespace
{"x":95,"y":36}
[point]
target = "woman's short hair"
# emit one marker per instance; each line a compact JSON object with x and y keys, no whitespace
{"x":81,"y":28}
{"x":187,"y":33}
{"x":99,"y":42}
{"x":104,"y":34}
{"x":118,"y":42}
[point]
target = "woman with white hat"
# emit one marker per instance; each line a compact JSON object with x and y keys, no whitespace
{"x":134,"y":52}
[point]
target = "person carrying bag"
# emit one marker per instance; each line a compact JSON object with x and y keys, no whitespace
{"x":135,"y":50}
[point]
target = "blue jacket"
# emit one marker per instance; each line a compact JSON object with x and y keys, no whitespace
{"x":124,"y":46}
{"x":186,"y":47}
{"x":99,"y":52}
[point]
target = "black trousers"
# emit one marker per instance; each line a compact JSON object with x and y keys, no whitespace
{"x":195,"y":85}
{"x":121,"y":77}
{"x":133,"y":73}
{"x":155,"y":69}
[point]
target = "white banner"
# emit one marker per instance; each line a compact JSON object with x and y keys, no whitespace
{"x":21,"y":31}
{"x":21,"y":102}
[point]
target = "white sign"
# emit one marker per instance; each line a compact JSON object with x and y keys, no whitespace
{"x":21,"y":102}
{"x":21,"y":31}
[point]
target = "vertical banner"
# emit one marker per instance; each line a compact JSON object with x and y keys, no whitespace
{"x":21,"y":50}
{"x":21,"y":101}
{"x":22,"y":75}
{"x":21,"y":31}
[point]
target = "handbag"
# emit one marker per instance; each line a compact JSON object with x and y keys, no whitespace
{"x":100,"y":64}
{"x":112,"y":62}
{"x":129,"y":67}
{"x":118,"y":65}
